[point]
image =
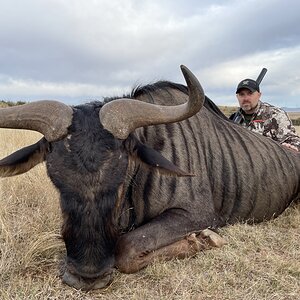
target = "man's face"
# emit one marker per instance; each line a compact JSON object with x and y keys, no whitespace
{"x":248,"y":100}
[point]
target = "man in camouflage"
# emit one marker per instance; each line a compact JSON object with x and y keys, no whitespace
{"x":262,"y":117}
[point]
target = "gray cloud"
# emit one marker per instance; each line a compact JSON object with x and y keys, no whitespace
{"x":82,"y":50}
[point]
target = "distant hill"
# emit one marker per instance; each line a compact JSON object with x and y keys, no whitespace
{"x":294,"y":113}
{"x":228,"y":110}
{"x":291,"y":109}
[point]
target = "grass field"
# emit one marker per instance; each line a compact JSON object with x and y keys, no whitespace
{"x":259,"y":262}
{"x":294,"y":115}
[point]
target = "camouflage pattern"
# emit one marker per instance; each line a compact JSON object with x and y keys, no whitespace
{"x":269,"y":121}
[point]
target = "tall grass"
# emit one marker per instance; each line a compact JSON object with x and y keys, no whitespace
{"x":259,"y":262}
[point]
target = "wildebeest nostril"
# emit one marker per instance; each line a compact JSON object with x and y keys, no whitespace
{"x":86,"y":284}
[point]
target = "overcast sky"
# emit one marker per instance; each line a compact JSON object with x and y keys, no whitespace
{"x":81,"y":50}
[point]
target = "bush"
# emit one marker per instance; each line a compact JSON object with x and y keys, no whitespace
{"x":10,"y":103}
{"x":296,"y":122}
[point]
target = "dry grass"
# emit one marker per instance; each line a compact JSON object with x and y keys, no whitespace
{"x":259,"y":262}
{"x":228,"y":110}
{"x":294,"y":115}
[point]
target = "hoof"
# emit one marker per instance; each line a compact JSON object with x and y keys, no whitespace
{"x":212,"y":238}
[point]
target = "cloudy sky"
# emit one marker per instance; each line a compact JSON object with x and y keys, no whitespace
{"x":82,"y":50}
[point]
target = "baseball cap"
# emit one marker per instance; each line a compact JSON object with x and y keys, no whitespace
{"x":249,"y":84}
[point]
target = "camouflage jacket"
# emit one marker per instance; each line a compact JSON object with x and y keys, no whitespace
{"x":269,"y":121}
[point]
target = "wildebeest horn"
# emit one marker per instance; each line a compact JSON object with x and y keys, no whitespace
{"x":122,"y":116}
{"x":51,"y":118}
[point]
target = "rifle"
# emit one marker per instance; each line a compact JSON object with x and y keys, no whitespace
{"x":261,"y":75}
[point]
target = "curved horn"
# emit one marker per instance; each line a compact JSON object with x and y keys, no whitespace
{"x":122,"y":116}
{"x":50,"y":118}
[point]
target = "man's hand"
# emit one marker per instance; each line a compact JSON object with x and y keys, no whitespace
{"x":290,"y":146}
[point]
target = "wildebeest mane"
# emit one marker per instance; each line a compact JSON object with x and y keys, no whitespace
{"x":150,"y":89}
{"x":165,"y":85}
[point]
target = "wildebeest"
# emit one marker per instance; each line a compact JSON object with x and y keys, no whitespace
{"x":140,"y":178}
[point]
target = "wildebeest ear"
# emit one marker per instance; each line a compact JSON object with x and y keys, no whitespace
{"x":154,"y":159}
{"x":24,"y":159}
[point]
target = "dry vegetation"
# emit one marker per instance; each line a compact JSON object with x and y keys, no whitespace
{"x":228,"y":110}
{"x":294,"y":115}
{"x":259,"y":262}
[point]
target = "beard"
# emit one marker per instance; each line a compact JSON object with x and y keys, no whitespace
{"x":247,"y":106}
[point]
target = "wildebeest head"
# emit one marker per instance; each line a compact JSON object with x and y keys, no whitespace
{"x":89,"y":152}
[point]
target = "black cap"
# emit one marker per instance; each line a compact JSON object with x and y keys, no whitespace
{"x":249,"y":84}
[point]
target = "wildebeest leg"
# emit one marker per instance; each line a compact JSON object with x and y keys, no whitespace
{"x":138,"y":248}
{"x":186,"y":247}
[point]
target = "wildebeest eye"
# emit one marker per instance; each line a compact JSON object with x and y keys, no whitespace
{"x":67,"y":145}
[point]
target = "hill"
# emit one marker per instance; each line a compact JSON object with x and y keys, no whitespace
{"x":291,"y":109}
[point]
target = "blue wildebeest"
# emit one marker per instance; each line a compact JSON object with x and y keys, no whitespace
{"x":109,"y":162}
